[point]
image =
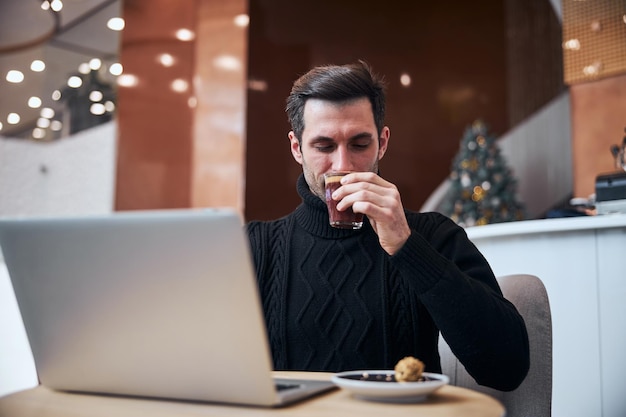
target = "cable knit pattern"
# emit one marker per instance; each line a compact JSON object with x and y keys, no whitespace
{"x":334,"y":300}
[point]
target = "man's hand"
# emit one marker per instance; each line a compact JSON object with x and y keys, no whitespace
{"x":380,"y":201}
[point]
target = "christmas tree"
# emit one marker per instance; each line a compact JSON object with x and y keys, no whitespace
{"x":482,"y":187}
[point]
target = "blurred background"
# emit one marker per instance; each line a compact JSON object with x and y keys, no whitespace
{"x":146,"y":105}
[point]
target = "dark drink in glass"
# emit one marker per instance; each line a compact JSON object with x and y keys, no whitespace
{"x":346,"y":219}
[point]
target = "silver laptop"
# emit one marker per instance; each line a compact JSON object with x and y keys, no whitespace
{"x":146,"y":303}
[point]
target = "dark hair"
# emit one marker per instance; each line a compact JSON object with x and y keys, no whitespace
{"x":336,"y":83}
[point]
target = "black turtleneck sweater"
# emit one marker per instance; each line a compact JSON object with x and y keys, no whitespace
{"x":334,"y":300}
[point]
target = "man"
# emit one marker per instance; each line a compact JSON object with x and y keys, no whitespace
{"x":337,"y":299}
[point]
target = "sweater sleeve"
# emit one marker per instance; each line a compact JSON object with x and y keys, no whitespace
{"x":457,"y":286}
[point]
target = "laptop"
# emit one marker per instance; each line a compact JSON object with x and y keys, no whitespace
{"x":159,"y":303}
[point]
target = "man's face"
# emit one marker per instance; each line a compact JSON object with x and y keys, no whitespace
{"x":337,"y":137}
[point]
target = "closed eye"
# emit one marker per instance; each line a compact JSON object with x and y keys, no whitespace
{"x":324,"y":148}
{"x":323,"y":144}
{"x":360,"y":146}
{"x":361,"y":143}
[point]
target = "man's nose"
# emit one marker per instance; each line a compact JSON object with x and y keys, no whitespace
{"x":343,"y":161}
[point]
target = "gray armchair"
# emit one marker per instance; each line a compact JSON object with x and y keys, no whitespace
{"x":533,"y":398}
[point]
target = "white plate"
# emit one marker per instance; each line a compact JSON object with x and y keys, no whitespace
{"x":382,"y":386}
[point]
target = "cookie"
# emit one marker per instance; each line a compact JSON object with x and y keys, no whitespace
{"x":409,"y":369}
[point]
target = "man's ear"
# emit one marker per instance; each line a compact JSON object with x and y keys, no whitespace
{"x":383,"y":142}
{"x":295,"y":147}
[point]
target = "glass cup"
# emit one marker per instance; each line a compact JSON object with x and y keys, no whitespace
{"x":346,"y":219}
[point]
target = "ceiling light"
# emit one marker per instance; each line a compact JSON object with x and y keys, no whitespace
{"x":74,"y":81}
{"x":39,"y":133}
{"x":116,"y":23}
{"x":47,"y":112}
{"x":56,"y":125}
{"x":167,"y":60}
{"x":179,"y":85}
{"x":34,"y":102}
{"x":95,"y":64}
{"x":95,"y":95}
{"x":227,"y":62}
{"x":241,"y":20}
{"x":185,"y":35}
{"x":43,"y":123}
{"x":84,"y":68}
{"x":572,"y":45}
{"x":127,"y":80}
{"x":116,"y":69}
{"x":15,"y":76}
{"x":97,"y":109}
{"x":405,"y":79}
{"x":593,"y":69}
{"x":37,"y":65}
{"x":13,"y":118}
{"x":56,"y":5}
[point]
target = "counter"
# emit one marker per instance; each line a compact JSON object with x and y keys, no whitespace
{"x":581,"y":262}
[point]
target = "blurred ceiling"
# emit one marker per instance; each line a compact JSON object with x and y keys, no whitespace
{"x":63,"y":41}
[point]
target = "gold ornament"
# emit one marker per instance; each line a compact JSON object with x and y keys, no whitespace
{"x":479,"y":193}
{"x":471,"y":164}
{"x":482,"y":221}
{"x":478,"y":125}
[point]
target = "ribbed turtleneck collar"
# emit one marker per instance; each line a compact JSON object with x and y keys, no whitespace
{"x":312,"y":215}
